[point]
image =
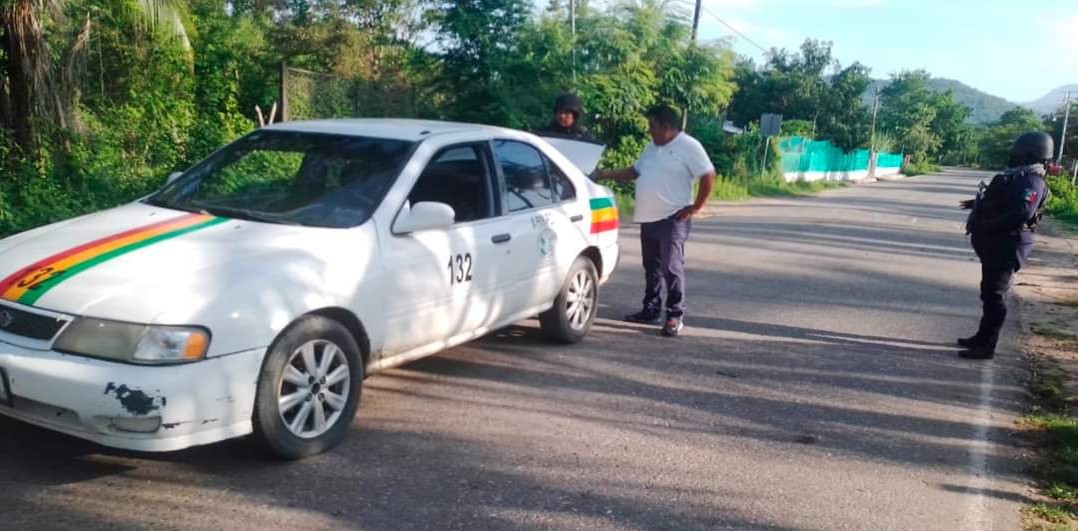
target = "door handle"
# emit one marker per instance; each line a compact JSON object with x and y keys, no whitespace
{"x":576,"y":218}
{"x":500,"y":238}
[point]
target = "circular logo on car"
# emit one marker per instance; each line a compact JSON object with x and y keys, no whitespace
{"x":548,"y":240}
{"x":5,"y":319}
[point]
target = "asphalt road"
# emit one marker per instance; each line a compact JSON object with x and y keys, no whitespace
{"x":815,"y":387}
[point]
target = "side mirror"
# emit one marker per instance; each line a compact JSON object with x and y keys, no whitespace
{"x":423,"y":216}
{"x":173,"y":176}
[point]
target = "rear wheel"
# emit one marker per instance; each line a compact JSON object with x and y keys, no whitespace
{"x":309,"y":388}
{"x":569,"y":320}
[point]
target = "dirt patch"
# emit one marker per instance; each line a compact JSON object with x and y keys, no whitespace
{"x":1048,"y":289}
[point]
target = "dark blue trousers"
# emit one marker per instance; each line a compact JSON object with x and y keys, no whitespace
{"x":1001,"y":257}
{"x":662,"y":245}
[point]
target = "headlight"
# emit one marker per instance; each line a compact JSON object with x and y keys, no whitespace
{"x":131,"y":342}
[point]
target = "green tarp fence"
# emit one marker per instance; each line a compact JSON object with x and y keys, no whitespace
{"x":801,"y":154}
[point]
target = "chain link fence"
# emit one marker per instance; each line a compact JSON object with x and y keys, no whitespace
{"x":307,"y":95}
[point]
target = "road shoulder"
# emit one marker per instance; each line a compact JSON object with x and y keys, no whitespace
{"x":1048,"y":293}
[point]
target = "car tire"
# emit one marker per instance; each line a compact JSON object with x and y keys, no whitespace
{"x":569,"y":320}
{"x":308,"y":389}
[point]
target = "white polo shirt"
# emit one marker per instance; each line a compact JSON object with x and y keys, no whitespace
{"x":666,"y":175}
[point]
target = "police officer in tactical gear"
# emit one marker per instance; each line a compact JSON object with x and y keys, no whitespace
{"x":566,"y":121}
{"x":1000,"y":225}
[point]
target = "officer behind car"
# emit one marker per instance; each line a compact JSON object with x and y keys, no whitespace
{"x":566,"y":121}
{"x":1001,"y":231}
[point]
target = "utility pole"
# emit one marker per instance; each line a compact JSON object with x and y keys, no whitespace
{"x":695,"y":26}
{"x":572,"y":30}
{"x":875,"y":108}
{"x":872,"y":136}
{"x":285,"y":115}
{"x":696,"y":19}
{"x":1063,"y":133}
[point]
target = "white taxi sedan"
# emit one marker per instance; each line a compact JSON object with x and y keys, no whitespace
{"x":254,"y":292}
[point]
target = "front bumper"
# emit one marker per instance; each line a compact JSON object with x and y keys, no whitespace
{"x":198,"y":403}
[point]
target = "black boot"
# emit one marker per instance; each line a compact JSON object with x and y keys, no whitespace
{"x":970,"y":341}
{"x":978,"y":352}
{"x":645,"y":317}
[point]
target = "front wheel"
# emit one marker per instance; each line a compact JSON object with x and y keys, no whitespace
{"x":569,"y":320}
{"x":309,"y":388}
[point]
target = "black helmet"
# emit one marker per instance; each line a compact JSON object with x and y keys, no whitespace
{"x":568,"y":101}
{"x":1031,"y":148}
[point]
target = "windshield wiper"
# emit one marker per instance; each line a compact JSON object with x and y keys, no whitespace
{"x":239,"y":213}
{"x":153,"y":201}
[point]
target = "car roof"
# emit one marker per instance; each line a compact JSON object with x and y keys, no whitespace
{"x":395,"y":128}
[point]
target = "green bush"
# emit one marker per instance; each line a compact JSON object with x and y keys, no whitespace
{"x":738,"y":156}
{"x":918,"y":168}
{"x":729,"y":189}
{"x":1063,"y":204}
{"x":803,"y":128}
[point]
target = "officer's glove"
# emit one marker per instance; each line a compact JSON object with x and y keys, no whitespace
{"x":966,"y":205}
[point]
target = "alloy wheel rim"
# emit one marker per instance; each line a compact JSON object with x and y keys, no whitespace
{"x":314,"y":388}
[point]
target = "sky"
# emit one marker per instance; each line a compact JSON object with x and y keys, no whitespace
{"x":1015,"y":49}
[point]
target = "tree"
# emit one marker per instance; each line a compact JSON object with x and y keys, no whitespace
{"x":907,"y":111}
{"x":640,"y":55}
{"x":749,"y":97}
{"x":929,"y":126}
{"x":479,"y":39}
{"x":1053,"y":123}
{"x":798,"y":86}
{"x":844,"y":119}
{"x":26,"y":66}
{"x":950,"y":124}
{"x":997,"y":139}
{"x":234,"y":71}
{"x":40,"y":89}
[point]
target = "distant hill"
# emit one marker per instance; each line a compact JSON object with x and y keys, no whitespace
{"x":1053,"y":100}
{"x":986,"y":107}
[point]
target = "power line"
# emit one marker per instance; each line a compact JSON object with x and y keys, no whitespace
{"x":733,"y":29}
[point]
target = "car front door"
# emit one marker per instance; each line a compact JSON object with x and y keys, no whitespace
{"x":440,"y":281}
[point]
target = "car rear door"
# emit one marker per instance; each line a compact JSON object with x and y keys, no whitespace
{"x":539,"y":208}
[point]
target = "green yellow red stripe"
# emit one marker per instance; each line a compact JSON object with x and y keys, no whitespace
{"x":601,"y":202}
{"x":28,"y":284}
{"x":604,"y":215}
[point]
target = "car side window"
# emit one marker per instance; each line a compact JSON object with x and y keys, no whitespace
{"x":458,"y":177}
{"x":527,"y":184}
{"x":563,"y":187}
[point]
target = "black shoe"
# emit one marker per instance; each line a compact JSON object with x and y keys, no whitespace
{"x":970,"y":341}
{"x":978,"y":352}
{"x":645,"y":317}
{"x":673,"y":327}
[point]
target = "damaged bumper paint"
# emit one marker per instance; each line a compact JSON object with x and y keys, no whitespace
{"x":160,"y":408}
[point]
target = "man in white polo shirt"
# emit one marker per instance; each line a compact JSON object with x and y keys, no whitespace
{"x":664,"y":175}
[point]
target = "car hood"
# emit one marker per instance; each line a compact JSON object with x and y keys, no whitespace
{"x":146,"y":264}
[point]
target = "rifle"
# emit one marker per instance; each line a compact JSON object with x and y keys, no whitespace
{"x":973,"y":205}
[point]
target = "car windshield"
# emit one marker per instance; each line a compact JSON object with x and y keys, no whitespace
{"x":292,"y":178}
